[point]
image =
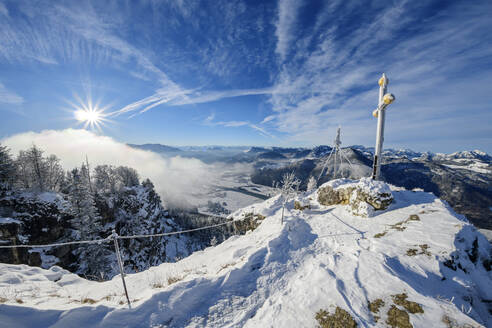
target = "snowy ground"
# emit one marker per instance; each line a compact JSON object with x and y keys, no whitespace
{"x":487,"y":233}
{"x":279,"y":275}
{"x":478,"y":167}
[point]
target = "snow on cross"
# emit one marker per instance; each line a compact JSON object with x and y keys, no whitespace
{"x":385,"y":99}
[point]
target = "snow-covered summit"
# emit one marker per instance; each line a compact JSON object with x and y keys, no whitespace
{"x":416,"y":262}
{"x":366,"y":184}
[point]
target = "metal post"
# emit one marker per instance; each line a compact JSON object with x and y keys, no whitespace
{"x":383,"y":83}
{"x":120,"y":264}
{"x":338,"y":142}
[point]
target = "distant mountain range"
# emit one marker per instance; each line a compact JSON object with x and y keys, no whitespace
{"x":463,"y":179}
{"x":315,"y":152}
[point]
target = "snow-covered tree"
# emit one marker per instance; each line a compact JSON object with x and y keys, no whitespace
{"x":35,"y":172}
{"x":87,"y":223}
{"x":312,"y":183}
{"x":35,"y":157}
{"x":54,"y":173}
{"x":7,"y":168}
{"x":86,"y":219}
{"x":128,"y":176}
{"x":138,"y":210}
{"x":109,"y":179}
{"x":104,"y":179}
{"x":66,"y":182}
{"x":290,"y":186}
{"x":23,"y":171}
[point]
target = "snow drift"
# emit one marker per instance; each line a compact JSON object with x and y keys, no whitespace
{"x":416,"y":261}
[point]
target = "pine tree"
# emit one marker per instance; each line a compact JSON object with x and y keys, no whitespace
{"x":87,"y":222}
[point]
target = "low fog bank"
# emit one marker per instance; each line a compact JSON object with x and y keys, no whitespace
{"x":181,"y":182}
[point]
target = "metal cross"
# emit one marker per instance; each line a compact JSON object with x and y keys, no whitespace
{"x":385,"y":99}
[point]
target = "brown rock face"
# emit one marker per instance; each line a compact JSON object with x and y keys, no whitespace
{"x":328,"y":196}
{"x":250,"y":222}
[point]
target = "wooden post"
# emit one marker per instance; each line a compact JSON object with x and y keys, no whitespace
{"x":120,"y":264}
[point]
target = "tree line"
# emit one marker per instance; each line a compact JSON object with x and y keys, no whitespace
{"x":31,"y":170}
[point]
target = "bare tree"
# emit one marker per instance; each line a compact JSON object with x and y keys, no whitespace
{"x":54,"y":173}
{"x":35,"y":172}
{"x":128,"y":176}
{"x":35,"y":156}
{"x":7,"y":168}
{"x":23,"y":171}
{"x":31,"y":169}
{"x":290,"y":187}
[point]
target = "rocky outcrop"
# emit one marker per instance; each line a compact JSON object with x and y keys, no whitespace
{"x":29,"y":218}
{"x":365,"y":196}
{"x":249,"y":222}
{"x":46,"y":218}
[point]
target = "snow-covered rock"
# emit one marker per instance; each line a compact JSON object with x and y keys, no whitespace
{"x":417,"y":261}
{"x":365,"y":196}
{"x":37,"y":219}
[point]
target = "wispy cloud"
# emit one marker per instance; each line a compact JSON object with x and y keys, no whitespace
{"x":286,"y":25}
{"x":3,"y":10}
{"x":9,"y":97}
{"x":332,"y":78}
{"x":181,"y":97}
{"x":210,"y":121}
{"x":88,"y":26}
{"x":59,"y":33}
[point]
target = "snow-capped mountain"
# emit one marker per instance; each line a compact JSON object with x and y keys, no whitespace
{"x":463,"y":178}
{"x":414,"y":264}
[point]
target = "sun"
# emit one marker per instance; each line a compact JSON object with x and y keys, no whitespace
{"x":90,"y":115}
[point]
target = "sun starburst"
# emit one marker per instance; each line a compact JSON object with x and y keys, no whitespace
{"x":90,"y":115}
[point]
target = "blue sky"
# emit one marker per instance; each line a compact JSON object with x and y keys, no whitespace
{"x":251,"y":73}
